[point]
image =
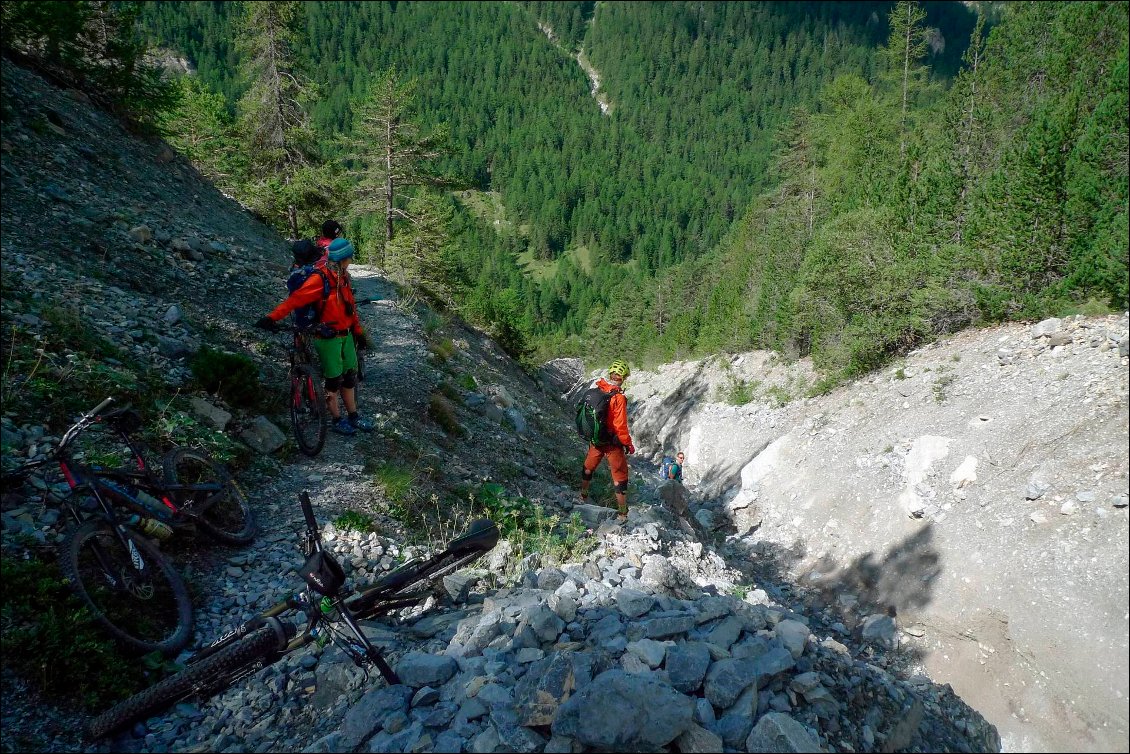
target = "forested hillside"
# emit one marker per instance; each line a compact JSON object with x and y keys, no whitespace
{"x":840,"y":180}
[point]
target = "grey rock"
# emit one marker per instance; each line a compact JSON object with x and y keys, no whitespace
{"x":1036,"y":488}
{"x":550,"y":578}
{"x":698,"y":739}
{"x":878,"y":629}
{"x":793,"y":635}
{"x":649,"y":651}
{"x":545,"y":686}
{"x":593,"y":515}
{"x":172,"y":315}
{"x":215,"y":416}
{"x":661,"y":628}
{"x":263,"y":436}
{"x":418,"y":669}
{"x":1046,"y":327}
{"x":687,"y":665}
{"x":563,"y":605}
{"x":733,"y":728}
{"x":449,"y":741}
{"x":458,"y":585}
{"x":618,"y":711}
{"x":544,"y":622}
{"x":776,"y":659}
{"x":173,"y":347}
{"x":727,"y":679}
{"x":633,"y":603}
{"x":777,"y":732}
{"x":364,"y":717}
{"x":726,"y":632}
{"x":561,"y":375}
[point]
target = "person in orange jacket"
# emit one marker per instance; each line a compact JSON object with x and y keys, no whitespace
{"x":621,"y":440}
{"x":338,"y":335}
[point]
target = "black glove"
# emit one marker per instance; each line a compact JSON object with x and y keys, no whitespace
{"x":266,"y":323}
{"x":362,"y":342}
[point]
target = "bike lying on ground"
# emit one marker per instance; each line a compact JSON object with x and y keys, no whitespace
{"x":128,"y":586}
{"x":268,"y":637}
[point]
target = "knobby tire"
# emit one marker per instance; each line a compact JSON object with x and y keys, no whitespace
{"x":228,"y":519}
{"x":308,"y":410}
{"x":150,"y":615}
{"x":207,"y":677}
{"x":413,"y":592}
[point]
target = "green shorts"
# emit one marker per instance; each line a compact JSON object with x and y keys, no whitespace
{"x":338,"y":355}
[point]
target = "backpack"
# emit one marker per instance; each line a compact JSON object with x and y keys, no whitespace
{"x":305,"y":316}
{"x":665,"y":467}
{"x":592,"y":416}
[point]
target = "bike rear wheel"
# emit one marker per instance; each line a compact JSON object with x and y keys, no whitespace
{"x":308,"y":410}
{"x":223,"y":514}
{"x":204,"y":678}
{"x":147,"y":610}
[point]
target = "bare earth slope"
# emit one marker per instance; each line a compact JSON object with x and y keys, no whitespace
{"x":978,"y":490}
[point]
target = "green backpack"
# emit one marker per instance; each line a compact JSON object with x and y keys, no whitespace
{"x":592,"y":417}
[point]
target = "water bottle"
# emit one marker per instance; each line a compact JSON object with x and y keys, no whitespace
{"x":149,"y":501}
{"x":149,"y":527}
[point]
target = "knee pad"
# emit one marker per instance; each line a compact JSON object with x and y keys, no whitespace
{"x":333,"y":384}
{"x":621,"y":487}
{"x":349,"y":379}
{"x":586,"y":475}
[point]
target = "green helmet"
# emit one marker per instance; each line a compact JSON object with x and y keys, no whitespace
{"x":620,"y":367}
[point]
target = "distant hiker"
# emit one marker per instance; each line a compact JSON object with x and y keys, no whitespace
{"x":331,"y":231}
{"x":672,"y":468}
{"x":338,"y":335}
{"x":602,"y":420}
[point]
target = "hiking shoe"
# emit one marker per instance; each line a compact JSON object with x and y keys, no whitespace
{"x":343,"y":427}
{"x":362,"y":423}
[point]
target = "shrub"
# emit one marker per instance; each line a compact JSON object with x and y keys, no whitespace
{"x":467,"y":382}
{"x":443,"y":413}
{"x":353,"y":520}
{"x":233,"y":377}
{"x":50,"y":638}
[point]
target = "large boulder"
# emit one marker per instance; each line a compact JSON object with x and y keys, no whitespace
{"x":619,"y":711}
{"x":560,"y":375}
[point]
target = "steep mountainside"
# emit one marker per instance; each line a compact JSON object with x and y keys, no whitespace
{"x":977,"y":489}
{"x":119,"y":265}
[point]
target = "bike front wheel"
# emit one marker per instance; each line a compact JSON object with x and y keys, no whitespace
{"x":204,"y":678}
{"x":406,"y":587}
{"x":308,"y":410}
{"x":131,"y":589}
{"x":223,"y":513}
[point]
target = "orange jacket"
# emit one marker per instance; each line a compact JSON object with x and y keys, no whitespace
{"x":339,"y":310}
{"x":617,"y":411}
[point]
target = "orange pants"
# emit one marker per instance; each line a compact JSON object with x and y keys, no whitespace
{"x":617,"y":461}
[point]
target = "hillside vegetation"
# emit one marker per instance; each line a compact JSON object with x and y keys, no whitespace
{"x":807,"y":177}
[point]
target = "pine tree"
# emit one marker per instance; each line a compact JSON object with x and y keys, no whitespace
{"x":273,"y":121}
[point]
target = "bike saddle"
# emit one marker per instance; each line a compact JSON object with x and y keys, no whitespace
{"x":125,"y":419}
{"x":481,"y":535}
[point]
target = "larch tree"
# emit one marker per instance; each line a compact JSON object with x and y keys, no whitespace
{"x":905,"y":51}
{"x":388,"y":153}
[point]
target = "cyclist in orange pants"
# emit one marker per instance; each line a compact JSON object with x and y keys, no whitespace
{"x":621,"y":440}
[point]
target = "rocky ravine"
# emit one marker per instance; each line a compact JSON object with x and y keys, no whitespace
{"x":663,"y":636}
{"x":977,"y":490}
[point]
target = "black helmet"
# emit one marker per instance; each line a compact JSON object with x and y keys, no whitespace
{"x":332,"y":229}
{"x":305,"y":252}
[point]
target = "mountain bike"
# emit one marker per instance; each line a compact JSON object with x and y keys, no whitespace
{"x":309,"y":414}
{"x":330,"y":614}
{"x":122,"y":578}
